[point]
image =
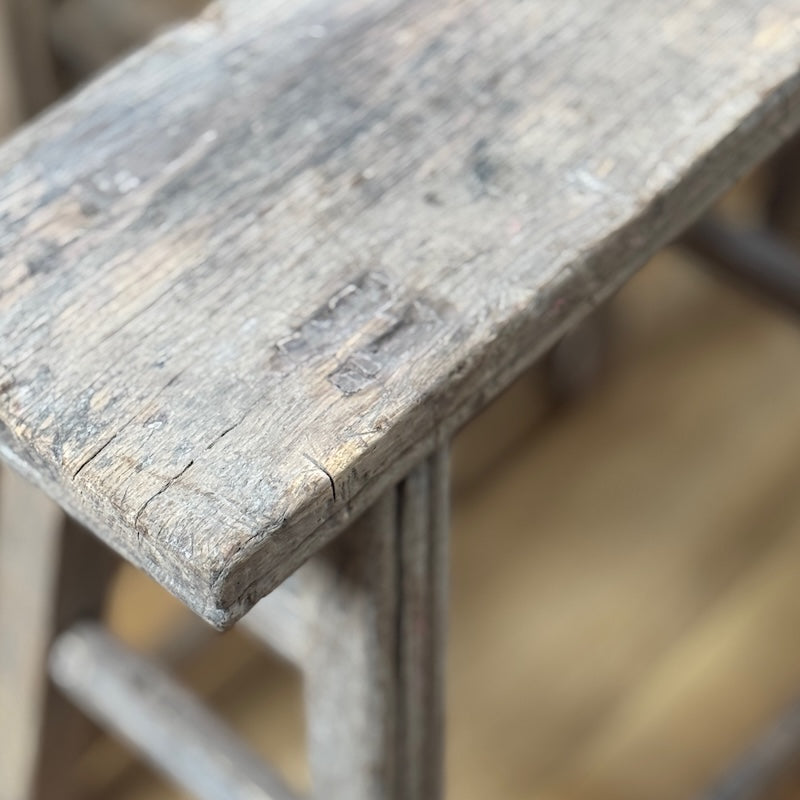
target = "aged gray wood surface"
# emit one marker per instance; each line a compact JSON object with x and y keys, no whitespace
{"x":51,"y":574}
{"x":374,"y":666}
{"x":174,"y":731}
{"x":254,"y":274}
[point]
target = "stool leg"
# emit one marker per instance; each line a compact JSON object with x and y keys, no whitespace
{"x":52,"y":573}
{"x":374,"y":674}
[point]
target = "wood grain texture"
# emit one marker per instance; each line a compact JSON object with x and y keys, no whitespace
{"x":52,"y":573}
{"x":255,"y":273}
{"x":375,"y":664}
{"x":174,"y":731}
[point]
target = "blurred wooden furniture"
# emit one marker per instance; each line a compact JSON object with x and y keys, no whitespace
{"x":259,"y":273}
{"x":10,"y":100}
{"x":25,"y":48}
{"x":87,"y":35}
{"x":758,"y":260}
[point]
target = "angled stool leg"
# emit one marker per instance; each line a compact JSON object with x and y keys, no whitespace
{"x":374,"y":673}
{"x":52,"y":573}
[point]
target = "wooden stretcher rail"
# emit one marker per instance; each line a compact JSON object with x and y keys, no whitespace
{"x":756,"y":259}
{"x":140,"y":703}
{"x":253,"y":275}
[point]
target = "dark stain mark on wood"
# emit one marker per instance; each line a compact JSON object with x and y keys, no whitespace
{"x":399,"y":341}
{"x":351,"y":306}
{"x":44,"y":259}
{"x":7,"y":380}
{"x":481,"y":164}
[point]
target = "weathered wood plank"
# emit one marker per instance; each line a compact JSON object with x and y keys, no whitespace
{"x":374,"y":668}
{"x":51,"y":574}
{"x":254,"y":274}
{"x":174,"y":731}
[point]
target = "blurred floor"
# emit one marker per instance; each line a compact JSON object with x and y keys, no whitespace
{"x":625,"y":580}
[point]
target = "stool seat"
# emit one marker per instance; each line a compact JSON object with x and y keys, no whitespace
{"x":261,"y":268}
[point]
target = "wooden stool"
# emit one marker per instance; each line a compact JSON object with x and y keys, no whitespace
{"x":253,"y":280}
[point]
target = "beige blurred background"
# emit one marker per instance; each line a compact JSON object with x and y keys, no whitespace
{"x":626,"y":562}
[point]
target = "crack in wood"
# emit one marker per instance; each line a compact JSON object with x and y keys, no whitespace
{"x":139,"y":531}
{"x":94,"y":455}
{"x":329,"y":476}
